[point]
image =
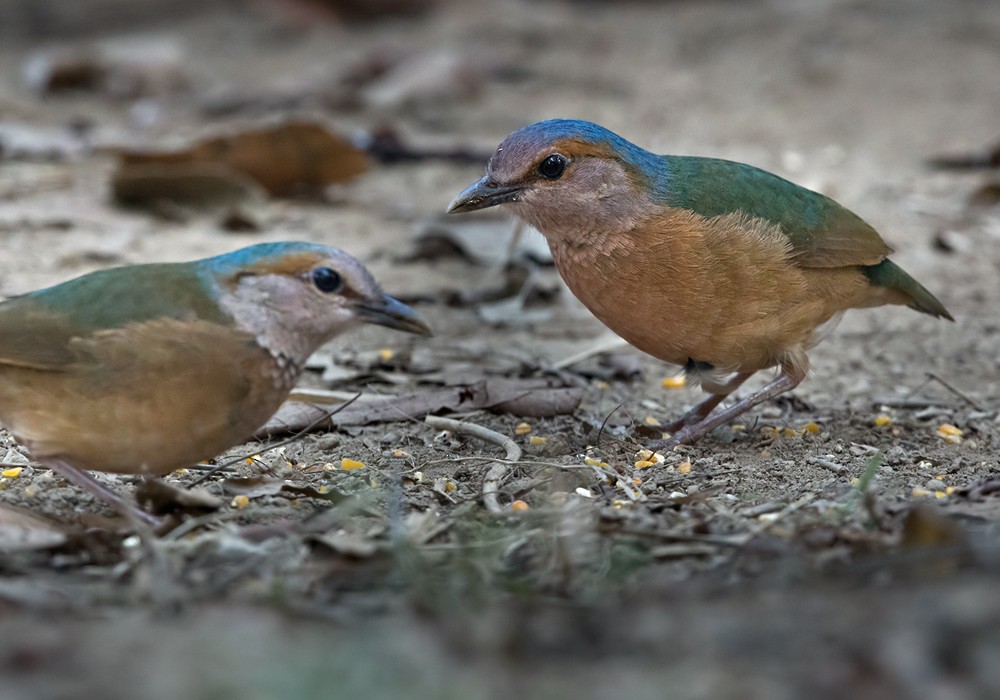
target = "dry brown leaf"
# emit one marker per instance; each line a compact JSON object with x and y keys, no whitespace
{"x":348,"y":544}
{"x":195,"y":185}
{"x":252,"y":486}
{"x":256,"y":486}
{"x":22,"y":529}
{"x":524,"y":397}
{"x":295,"y":157}
{"x":122,"y":69}
{"x":160,"y":497}
{"x":928,"y":526}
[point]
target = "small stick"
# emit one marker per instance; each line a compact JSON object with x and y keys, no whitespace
{"x":603,"y":345}
{"x":327,"y":396}
{"x":956,"y":391}
{"x":827,"y":464}
{"x":491,"y":482}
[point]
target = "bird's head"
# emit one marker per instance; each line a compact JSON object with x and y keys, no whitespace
{"x":296,"y":296}
{"x":567,"y":178}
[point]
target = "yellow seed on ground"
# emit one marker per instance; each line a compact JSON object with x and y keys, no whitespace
{"x":386,"y":354}
{"x":791,"y":432}
{"x":180,"y":472}
{"x":11,"y":473}
{"x":450,"y":486}
{"x":636,"y":481}
{"x":882,"y":420}
{"x":651,"y":421}
{"x":737,"y":427}
{"x":643,"y":464}
{"x":591,"y":461}
{"x":855,"y":481}
{"x":601,"y":384}
{"x":400,"y":453}
{"x":537,"y":440}
{"x":684,"y":468}
{"x":644,"y":454}
{"x":812,"y":427}
{"x":940,"y":494}
{"x":949,"y":490}
{"x":918,"y":492}
{"x":240,"y":501}
{"x":522,"y":429}
{"x":949,"y":430}
{"x":349,"y":464}
{"x":323,"y":489}
{"x":519,"y":505}
{"x":677,"y":382}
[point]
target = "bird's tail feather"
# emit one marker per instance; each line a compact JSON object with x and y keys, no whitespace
{"x":890,"y":275}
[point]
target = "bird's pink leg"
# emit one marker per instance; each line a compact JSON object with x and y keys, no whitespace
{"x":88,"y":483}
{"x":692,"y":433}
{"x":699,"y":412}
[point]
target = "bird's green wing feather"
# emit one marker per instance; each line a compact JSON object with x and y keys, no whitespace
{"x":36,"y":329}
{"x":822,"y":233}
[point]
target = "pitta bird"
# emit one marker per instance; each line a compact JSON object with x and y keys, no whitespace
{"x":144,"y":369}
{"x":714,"y":265}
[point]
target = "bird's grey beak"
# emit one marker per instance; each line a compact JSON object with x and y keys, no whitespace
{"x":483,"y":194}
{"x":392,"y":313}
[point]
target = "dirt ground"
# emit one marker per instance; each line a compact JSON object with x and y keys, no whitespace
{"x":768,"y":561}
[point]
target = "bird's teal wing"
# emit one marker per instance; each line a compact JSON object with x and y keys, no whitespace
{"x":37,"y":329}
{"x":822,"y":233}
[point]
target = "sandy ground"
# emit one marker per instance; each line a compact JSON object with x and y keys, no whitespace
{"x":757,"y":570}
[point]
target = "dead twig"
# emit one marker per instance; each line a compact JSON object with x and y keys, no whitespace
{"x":491,"y":482}
{"x":956,"y":391}
{"x":600,"y":347}
{"x":827,"y":464}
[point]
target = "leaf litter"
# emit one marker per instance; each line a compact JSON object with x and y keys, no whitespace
{"x":730,"y":544}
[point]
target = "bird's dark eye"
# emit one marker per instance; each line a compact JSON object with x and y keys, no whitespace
{"x":327,"y":279}
{"x":552,"y":167}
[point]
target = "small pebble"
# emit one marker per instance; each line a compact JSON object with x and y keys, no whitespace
{"x":328,"y":442}
{"x":895,"y":455}
{"x":935,"y":485}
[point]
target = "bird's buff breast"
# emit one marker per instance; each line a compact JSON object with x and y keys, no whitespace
{"x":721,"y":290}
{"x":143,"y":400}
